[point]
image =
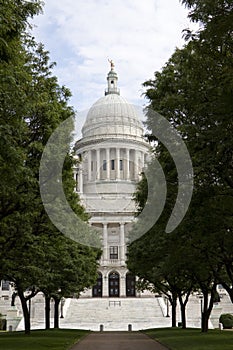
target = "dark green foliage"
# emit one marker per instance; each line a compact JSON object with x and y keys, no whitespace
{"x":34,"y":255}
{"x":194,"y":92}
{"x":226,"y":320}
{"x":2,"y":322}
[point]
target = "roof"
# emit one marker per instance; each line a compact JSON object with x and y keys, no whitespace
{"x":112,"y":114}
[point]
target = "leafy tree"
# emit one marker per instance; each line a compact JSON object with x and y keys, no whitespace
{"x":32,"y":106}
{"x":194,"y":93}
{"x":70,"y":268}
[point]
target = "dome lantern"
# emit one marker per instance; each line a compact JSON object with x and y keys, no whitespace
{"x":112,"y":81}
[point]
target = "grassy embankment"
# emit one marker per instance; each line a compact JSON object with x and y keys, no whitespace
{"x":193,"y":339}
{"x":61,"y":339}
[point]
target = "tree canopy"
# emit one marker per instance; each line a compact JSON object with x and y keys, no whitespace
{"x":32,"y":106}
{"x":194,"y":92}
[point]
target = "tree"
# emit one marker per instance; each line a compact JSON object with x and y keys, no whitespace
{"x":201,"y":110}
{"x":32,"y":107}
{"x":70,"y":268}
{"x":158,"y":258}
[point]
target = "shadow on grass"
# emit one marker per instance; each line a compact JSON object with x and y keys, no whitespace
{"x":192,"y":339}
{"x":54,"y":339}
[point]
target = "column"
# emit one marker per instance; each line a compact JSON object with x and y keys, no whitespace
{"x":135,"y":165}
{"x":122,"y":242}
{"x":105,"y":258}
{"x":143,"y":163}
{"x":89,"y":165}
{"x":80,"y":177}
{"x":98,"y":164}
{"x":122,"y":284}
{"x":108,"y":163}
{"x":105,"y":292}
{"x":105,"y":242}
{"x":127,"y":164}
{"x":118,"y":164}
{"x":76,"y":175}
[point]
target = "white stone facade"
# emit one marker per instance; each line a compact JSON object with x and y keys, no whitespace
{"x":112,"y":155}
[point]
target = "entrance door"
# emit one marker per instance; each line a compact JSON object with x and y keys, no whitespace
{"x":97,"y":288}
{"x":114,"y":284}
{"x":130,"y":285}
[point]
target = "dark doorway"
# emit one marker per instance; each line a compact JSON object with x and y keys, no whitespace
{"x":97,"y":288}
{"x":130,"y":285}
{"x":114,"y":284}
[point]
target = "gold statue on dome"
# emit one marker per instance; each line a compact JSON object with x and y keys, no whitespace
{"x":111,"y":63}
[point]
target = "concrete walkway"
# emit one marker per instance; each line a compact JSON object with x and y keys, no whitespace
{"x":118,"y":341}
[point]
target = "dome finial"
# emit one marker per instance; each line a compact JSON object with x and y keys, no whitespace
{"x":111,"y":64}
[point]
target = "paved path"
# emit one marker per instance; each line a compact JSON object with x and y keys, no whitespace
{"x":118,"y":341}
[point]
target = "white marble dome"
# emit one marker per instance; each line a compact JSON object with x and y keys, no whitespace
{"x":112,"y":115}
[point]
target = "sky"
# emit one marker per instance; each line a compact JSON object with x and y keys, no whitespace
{"x":139,"y":36}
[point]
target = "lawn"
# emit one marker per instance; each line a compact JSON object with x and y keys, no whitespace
{"x":40,"y":340}
{"x":192,"y":339}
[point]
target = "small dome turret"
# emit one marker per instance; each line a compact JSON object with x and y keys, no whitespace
{"x":112,"y":81}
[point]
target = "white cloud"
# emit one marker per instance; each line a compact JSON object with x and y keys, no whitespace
{"x":81,"y":35}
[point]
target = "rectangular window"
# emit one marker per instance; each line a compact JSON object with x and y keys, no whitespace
{"x":113,"y":252}
{"x":113,"y":164}
{"x":5,"y":285}
{"x":121,"y":164}
{"x":92,"y":166}
{"x":104,"y":165}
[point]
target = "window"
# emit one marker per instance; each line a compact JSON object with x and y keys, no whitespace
{"x":92,"y":166}
{"x":112,"y":164}
{"x":113,"y":252}
{"x":5,"y":285}
{"x":121,"y":164}
{"x":97,"y":288}
{"x":104,"y":165}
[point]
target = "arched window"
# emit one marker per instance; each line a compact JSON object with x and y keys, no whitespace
{"x":98,"y":287}
{"x":130,"y":285}
{"x":114,"y":284}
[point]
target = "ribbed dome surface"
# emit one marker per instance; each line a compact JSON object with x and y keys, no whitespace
{"x":112,"y":114}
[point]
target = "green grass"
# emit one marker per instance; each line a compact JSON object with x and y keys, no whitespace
{"x":61,"y":339}
{"x":192,"y":339}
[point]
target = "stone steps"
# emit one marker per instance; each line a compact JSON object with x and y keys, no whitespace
{"x":119,"y":313}
{"x":114,"y":314}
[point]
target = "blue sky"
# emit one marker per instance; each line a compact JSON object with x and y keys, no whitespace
{"x":139,"y":36}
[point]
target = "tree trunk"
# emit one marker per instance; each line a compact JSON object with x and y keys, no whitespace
{"x":56,"y":312}
{"x":173,"y":313}
{"x":26,"y":314}
{"x":13,"y":297}
{"x":47,"y":312}
{"x":207,"y":308}
{"x":229,"y":290}
{"x":204,"y":322}
{"x":183,"y":303}
{"x":173,"y":301}
{"x":183,"y":315}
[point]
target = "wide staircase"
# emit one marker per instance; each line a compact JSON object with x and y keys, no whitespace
{"x":123,"y":313}
{"x":114,"y":314}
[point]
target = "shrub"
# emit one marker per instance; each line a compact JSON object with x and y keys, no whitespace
{"x":2,"y":323}
{"x":226,"y":320}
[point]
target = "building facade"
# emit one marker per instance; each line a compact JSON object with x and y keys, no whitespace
{"x":112,"y":154}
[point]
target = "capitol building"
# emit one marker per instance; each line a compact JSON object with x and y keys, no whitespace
{"x":111,"y":156}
